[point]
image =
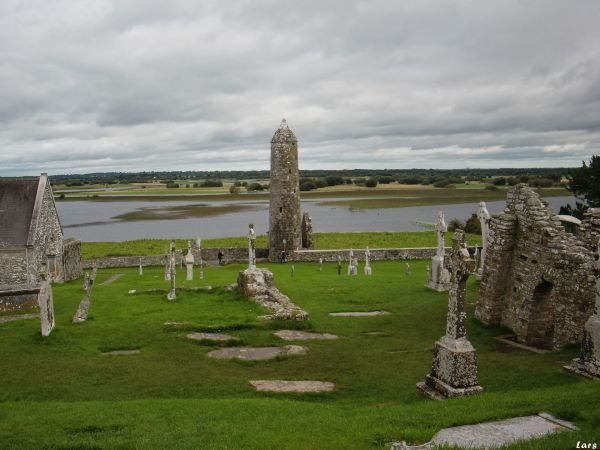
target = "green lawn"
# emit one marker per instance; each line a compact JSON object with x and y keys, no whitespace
{"x":60,"y":392}
{"x":384,"y":239}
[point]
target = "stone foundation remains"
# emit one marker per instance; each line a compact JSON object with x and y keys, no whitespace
{"x":258,"y":284}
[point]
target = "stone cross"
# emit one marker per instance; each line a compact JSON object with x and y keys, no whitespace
{"x":189,"y":263}
{"x":141,"y":268}
{"x":251,"y":247}
{"x":484,"y":218}
{"x":351,"y":263}
{"x":461,"y":266}
{"x":321,"y":264}
{"x":439,"y":277}
{"x":454,"y":368}
{"x":367,"y":269}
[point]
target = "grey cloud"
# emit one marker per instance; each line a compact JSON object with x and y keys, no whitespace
{"x":107,"y":85}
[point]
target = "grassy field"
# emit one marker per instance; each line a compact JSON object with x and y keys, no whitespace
{"x":60,"y":392}
{"x":389,"y":239}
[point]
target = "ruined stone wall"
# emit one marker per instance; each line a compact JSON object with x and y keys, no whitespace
{"x":376,"y":254}
{"x":71,"y":259}
{"x":14,"y":266}
{"x":284,"y":206}
{"x":537,"y":278}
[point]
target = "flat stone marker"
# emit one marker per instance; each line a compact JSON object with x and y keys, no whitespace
{"x":294,"y":335}
{"x":112,"y":279}
{"x":133,"y":351}
{"x":494,"y":434}
{"x":359,"y":313}
{"x":292,"y":386}
{"x":4,"y":319}
{"x":210,"y":337}
{"x":257,"y":353}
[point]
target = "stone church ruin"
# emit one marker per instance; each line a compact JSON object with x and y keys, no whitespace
{"x":538,"y":279}
{"x":33,"y":250}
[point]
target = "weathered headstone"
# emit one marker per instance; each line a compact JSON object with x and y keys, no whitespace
{"x":141,"y":268}
{"x":251,"y":247}
{"x":307,"y":232}
{"x":368,"y":270}
{"x":339,"y":265}
{"x":46,"y":303}
{"x":189,"y":263}
{"x":588,"y":364}
{"x":172,"y":295}
{"x":439,"y":279}
{"x":167,"y":259}
{"x":321,"y":264}
{"x":454,"y":370}
{"x":484,"y":218}
{"x":407,"y":269}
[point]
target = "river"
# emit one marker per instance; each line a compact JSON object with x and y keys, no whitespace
{"x":95,"y":220}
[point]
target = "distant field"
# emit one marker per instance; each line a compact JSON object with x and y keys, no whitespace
{"x":401,"y":239}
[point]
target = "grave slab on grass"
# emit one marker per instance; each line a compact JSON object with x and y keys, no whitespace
{"x":257,"y":353}
{"x":359,"y":313}
{"x":132,"y":351}
{"x":210,"y":337}
{"x":494,"y":434}
{"x":292,"y":386}
{"x":4,"y":319}
{"x":112,"y":279}
{"x":295,"y":335}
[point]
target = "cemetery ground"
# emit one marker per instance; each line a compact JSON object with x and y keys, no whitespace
{"x":62,"y":392}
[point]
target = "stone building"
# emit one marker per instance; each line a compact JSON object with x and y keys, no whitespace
{"x":30,"y":237}
{"x":537,"y":278}
{"x":284,"y":207}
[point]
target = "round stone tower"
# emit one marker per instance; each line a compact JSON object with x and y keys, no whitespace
{"x":284,"y":207}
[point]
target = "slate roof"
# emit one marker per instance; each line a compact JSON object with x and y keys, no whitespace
{"x":17,"y":201}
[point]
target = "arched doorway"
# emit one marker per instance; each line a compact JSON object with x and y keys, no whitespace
{"x":540,"y":327}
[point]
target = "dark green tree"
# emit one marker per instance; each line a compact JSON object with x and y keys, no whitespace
{"x":585,"y":182}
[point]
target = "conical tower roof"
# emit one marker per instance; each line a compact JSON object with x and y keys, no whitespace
{"x":284,"y":133}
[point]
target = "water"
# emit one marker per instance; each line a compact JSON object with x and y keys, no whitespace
{"x":92,"y":220}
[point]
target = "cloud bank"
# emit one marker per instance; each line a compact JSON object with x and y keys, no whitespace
{"x":100,"y":85}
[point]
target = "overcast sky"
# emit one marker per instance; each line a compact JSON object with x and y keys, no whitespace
{"x":129,"y":85}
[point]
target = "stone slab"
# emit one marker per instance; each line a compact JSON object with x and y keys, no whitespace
{"x":4,"y":319}
{"x":211,"y":337}
{"x":495,"y":434}
{"x":292,"y":386}
{"x":133,"y":351}
{"x":509,"y":340}
{"x":112,"y":279}
{"x":359,"y":313}
{"x":295,"y":335}
{"x":257,"y":353}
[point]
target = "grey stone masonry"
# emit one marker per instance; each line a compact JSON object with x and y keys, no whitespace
{"x":284,"y":205}
{"x":589,"y":362}
{"x":537,"y":278}
{"x":307,"y":232}
{"x":71,"y":256}
{"x":258,"y":284}
{"x":454,"y":369}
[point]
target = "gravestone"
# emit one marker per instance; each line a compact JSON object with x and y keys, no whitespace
{"x":439,"y":278}
{"x":172,"y":295}
{"x":251,"y":247}
{"x":454,"y":369}
{"x":368,"y":270}
{"x":167,"y":259}
{"x":141,"y":268}
{"x":46,"y":303}
{"x":484,"y":218}
{"x":189,"y":263}
{"x":307,"y":232}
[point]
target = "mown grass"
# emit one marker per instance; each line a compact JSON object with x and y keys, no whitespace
{"x":400,"y":239}
{"x":61,"y":392}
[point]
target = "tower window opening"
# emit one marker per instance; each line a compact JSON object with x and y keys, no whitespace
{"x":280,"y":209}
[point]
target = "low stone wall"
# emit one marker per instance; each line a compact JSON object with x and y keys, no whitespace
{"x":234,"y":254}
{"x":376,"y":254}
